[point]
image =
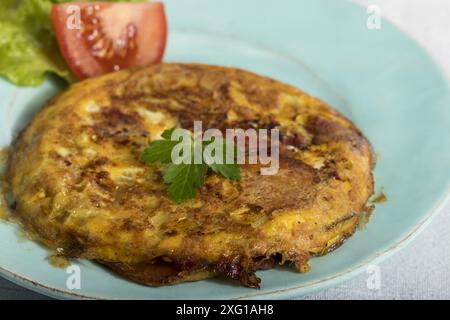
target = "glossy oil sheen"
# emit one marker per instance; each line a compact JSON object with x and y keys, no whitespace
{"x":381,"y":79}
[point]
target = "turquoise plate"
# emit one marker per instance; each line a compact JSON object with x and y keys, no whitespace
{"x":381,"y":79}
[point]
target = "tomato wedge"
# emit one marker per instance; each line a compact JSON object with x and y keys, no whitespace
{"x":100,"y":37}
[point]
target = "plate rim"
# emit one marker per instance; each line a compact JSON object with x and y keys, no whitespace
{"x":313,"y":286}
{"x":274,"y":294}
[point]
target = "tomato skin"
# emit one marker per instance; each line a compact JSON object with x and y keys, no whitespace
{"x":146,"y":47}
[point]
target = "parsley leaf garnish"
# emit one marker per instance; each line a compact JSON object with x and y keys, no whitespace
{"x":228,"y":170}
{"x":158,"y":151}
{"x":184,"y":179}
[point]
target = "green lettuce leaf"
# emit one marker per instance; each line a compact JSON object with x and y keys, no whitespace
{"x":28,"y":47}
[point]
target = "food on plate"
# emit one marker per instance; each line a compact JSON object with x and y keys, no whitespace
{"x":28,"y":47}
{"x":116,"y":35}
{"x":110,"y":37}
{"x":79,"y":185}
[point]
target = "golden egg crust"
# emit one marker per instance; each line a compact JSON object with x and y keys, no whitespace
{"x":78,"y":184}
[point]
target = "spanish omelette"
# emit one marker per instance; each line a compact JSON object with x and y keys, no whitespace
{"x":79,"y":187}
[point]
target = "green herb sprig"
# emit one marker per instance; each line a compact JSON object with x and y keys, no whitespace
{"x":184,"y":179}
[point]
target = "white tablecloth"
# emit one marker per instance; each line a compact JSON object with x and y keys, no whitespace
{"x":422,"y":269}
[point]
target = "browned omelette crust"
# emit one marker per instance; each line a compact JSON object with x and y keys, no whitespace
{"x":78,"y":184}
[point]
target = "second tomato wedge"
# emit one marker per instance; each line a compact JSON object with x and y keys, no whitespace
{"x":97,"y":38}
